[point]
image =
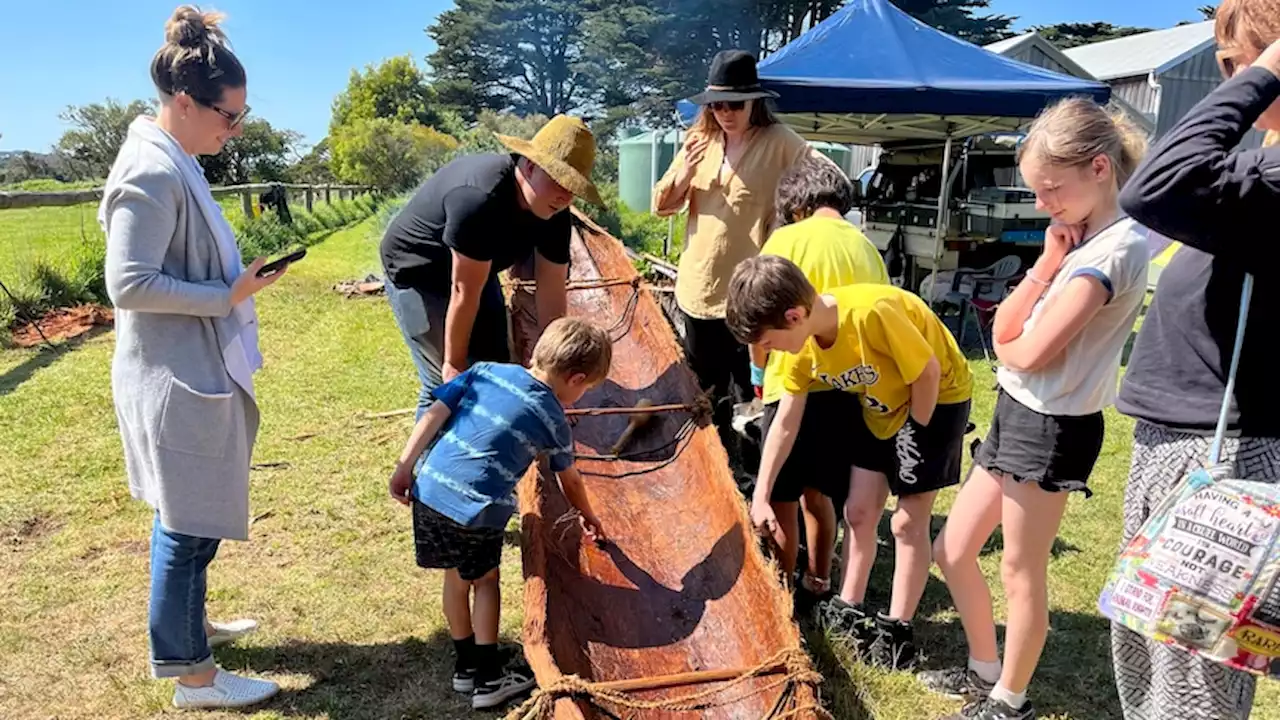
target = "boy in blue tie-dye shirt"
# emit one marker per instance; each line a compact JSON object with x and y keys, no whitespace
{"x":488,"y":425}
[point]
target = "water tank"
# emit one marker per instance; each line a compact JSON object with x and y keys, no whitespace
{"x":642,"y":160}
{"x":839,"y":154}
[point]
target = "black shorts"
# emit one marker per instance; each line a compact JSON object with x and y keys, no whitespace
{"x":1056,"y":451}
{"x":822,"y":456}
{"x":919,"y":459}
{"x":442,"y":544}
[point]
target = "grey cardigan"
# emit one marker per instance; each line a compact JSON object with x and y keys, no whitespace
{"x":188,"y":428}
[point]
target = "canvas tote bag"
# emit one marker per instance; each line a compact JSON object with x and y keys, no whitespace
{"x":1203,"y":573}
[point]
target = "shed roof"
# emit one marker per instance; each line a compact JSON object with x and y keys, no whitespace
{"x":1011,"y":47}
{"x":1153,"y":51}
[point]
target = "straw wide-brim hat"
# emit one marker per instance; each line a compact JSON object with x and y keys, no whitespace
{"x":565,"y":149}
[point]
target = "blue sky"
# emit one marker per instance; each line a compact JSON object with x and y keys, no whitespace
{"x":55,"y":53}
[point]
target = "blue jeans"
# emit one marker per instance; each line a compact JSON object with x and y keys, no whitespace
{"x":178,"y":564}
{"x":420,"y":316}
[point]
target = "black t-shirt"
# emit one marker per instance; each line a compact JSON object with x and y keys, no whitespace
{"x":471,"y":206}
{"x":1222,"y":204}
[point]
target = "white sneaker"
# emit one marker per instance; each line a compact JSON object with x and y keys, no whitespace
{"x":224,"y":633}
{"x":227,"y":691}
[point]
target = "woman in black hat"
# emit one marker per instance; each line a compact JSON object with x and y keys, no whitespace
{"x":727,"y":173}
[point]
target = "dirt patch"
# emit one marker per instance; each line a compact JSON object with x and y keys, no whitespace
{"x":133,"y":547}
{"x":28,"y":531}
{"x":63,"y":324}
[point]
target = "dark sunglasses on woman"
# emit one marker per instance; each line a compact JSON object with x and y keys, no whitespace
{"x":731,"y":105}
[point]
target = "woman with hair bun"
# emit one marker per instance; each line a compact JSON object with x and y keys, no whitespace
{"x":186,"y":350}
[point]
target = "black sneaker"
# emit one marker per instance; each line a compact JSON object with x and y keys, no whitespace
{"x":957,"y":683}
{"x":843,"y":618}
{"x":894,"y":646}
{"x":464,"y":680}
{"x":515,"y":680}
{"x":807,"y":601}
{"x":988,"y":709}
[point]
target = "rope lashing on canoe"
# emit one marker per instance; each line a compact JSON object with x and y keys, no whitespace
{"x":792,"y":665}
{"x":591,"y":284}
{"x":699,"y":409}
{"x":622,"y":325}
{"x":674,"y":407}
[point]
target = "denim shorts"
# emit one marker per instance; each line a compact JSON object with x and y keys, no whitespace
{"x":1057,"y":452}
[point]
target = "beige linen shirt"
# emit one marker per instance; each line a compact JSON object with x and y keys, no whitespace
{"x":730,"y":220}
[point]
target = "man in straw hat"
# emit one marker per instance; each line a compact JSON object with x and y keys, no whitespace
{"x":475,"y":217}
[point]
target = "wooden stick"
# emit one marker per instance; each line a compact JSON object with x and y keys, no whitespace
{"x":638,"y":419}
{"x":699,"y":677}
{"x":637,"y":410}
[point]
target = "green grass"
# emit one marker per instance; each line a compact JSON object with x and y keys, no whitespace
{"x":351,"y":628}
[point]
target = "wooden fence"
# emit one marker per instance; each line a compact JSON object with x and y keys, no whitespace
{"x":310,"y":193}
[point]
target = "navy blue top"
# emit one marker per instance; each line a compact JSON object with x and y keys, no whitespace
{"x":1221,"y":202}
{"x":502,"y":419}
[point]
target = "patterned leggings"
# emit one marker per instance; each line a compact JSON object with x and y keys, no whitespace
{"x":1155,"y":681}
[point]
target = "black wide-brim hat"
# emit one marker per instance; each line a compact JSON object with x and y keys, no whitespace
{"x":732,"y":78}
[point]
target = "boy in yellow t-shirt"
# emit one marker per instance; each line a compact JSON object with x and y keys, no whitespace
{"x":887,"y":346}
{"x":811,"y":201}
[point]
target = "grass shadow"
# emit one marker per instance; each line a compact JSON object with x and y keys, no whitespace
{"x":841,"y":695}
{"x":14,"y":377}
{"x":408,"y":679}
{"x":1074,"y":678}
{"x":1127,"y":351}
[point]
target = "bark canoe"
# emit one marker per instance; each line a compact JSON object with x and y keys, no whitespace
{"x":682,"y":587}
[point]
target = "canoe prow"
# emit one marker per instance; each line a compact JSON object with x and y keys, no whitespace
{"x":682,"y":587}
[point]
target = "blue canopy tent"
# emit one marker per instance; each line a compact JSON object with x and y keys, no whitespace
{"x":871,"y":74}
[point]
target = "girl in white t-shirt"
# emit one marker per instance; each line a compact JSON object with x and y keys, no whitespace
{"x":1059,"y":337}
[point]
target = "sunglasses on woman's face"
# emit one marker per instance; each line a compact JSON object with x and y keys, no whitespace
{"x":233,"y":119}
{"x":729,"y":106}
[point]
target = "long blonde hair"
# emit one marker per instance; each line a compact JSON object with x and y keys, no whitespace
{"x":1072,"y":132}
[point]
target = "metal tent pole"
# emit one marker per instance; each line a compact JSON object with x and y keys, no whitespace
{"x":944,"y":192}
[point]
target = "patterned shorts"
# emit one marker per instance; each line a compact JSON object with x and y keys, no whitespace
{"x":1156,"y":681}
{"x":442,"y":544}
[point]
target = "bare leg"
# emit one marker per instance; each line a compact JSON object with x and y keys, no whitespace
{"x":1031,"y":518}
{"x":973,"y":518}
{"x":911,"y":557}
{"x":787,"y":537}
{"x":488,"y":605}
{"x":457,"y":604}
{"x":868,"y":491}
{"x":820,"y":531}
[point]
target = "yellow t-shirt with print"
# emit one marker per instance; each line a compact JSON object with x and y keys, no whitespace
{"x":885,"y":339}
{"x":832,"y":253}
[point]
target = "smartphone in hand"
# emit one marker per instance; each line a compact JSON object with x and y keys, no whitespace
{"x":277,"y":265}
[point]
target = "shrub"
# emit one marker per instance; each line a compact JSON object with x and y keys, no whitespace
{"x":266,"y":235}
{"x":640,"y":231}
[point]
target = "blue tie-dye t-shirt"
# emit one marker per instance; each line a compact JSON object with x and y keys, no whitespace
{"x":502,"y":419}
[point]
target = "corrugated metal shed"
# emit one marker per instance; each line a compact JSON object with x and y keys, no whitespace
{"x":1162,"y":74}
{"x":1033,"y":49}
{"x":1141,"y":54}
